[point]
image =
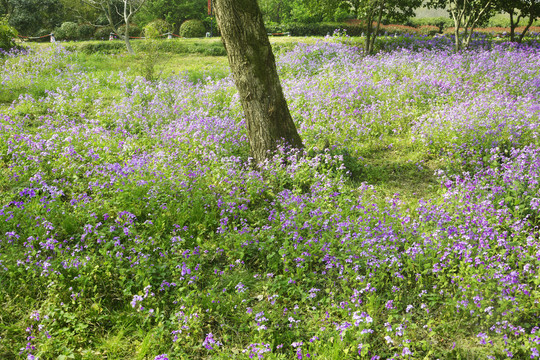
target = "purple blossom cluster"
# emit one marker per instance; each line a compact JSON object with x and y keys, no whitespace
{"x":105,"y":198}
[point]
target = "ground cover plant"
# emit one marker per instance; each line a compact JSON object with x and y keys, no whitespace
{"x":134,"y":226}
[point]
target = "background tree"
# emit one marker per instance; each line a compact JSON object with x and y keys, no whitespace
{"x":517,"y":11}
{"x":79,"y":12}
{"x":30,"y":16}
{"x":5,"y":7}
{"x":126,"y":9}
{"x":253,"y":66}
{"x":302,"y":11}
{"x":467,"y":14}
{"x":175,"y":12}
{"x":372,"y":12}
{"x":276,"y":11}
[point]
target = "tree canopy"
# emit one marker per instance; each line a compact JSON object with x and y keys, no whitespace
{"x":30,"y":16}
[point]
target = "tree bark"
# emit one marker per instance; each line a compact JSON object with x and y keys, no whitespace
{"x":522,"y":35}
{"x":253,"y":66}
{"x":369,"y":29}
{"x":127,"y":19}
{"x":379,"y":19}
{"x":512,"y":25}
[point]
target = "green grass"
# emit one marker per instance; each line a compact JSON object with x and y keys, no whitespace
{"x":101,"y":323}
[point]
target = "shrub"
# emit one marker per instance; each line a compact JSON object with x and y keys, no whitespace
{"x":7,"y":34}
{"x":68,"y":31}
{"x":354,"y":28}
{"x":104,"y":47}
{"x":103,"y":33}
{"x":44,"y":33}
{"x":341,"y":15}
{"x":440,"y":22}
{"x":398,"y":29}
{"x":192,"y":28}
{"x":156,"y":28}
{"x":429,"y":30}
{"x":86,"y":31}
{"x":134,"y":30}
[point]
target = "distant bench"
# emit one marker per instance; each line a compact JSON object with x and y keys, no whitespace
{"x":280,"y":34}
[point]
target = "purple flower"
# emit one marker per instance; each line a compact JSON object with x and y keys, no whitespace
{"x":209,"y":342}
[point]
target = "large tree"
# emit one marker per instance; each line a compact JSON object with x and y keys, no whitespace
{"x":80,"y":12}
{"x":372,"y":12}
{"x":126,"y":9}
{"x":518,"y":10}
{"x":467,"y":14}
{"x":5,"y":7}
{"x":31,"y":16}
{"x":253,"y":66}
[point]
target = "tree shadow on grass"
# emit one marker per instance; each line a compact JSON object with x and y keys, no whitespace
{"x":391,"y":172}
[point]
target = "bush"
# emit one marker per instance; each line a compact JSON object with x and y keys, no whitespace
{"x":44,"y":33}
{"x":86,"y":31}
{"x":210,"y":25}
{"x":398,"y":29}
{"x":7,"y":34}
{"x":134,"y":30}
{"x":302,"y":29}
{"x":316,"y":29}
{"x":440,"y":22}
{"x":341,"y":15}
{"x":103,"y":33}
{"x":103,"y":47}
{"x":181,"y":47}
{"x":68,"y":31}
{"x":156,"y":28}
{"x":192,"y":28}
{"x":429,"y":30}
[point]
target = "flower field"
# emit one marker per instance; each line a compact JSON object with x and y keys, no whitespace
{"x":133,"y":224}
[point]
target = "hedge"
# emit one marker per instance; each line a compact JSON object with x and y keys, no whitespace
{"x":353,"y":28}
{"x":208,"y":48}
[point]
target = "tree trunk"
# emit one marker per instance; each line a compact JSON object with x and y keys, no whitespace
{"x":512,"y":26}
{"x":369,"y":28}
{"x":254,"y":70}
{"x":128,"y":43}
{"x":376,"y":33}
{"x":127,"y":19}
{"x":522,"y":35}
{"x":457,"y":24}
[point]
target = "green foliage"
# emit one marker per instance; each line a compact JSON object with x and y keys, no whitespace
{"x":341,"y":15}
{"x":79,"y":11}
{"x":276,"y":11}
{"x":466,"y":15}
{"x":210,"y":47}
{"x":313,"y":29}
{"x":86,"y":31}
{"x":68,"y":31}
{"x":101,"y":123}
{"x":157,"y":28}
{"x":101,"y":47}
{"x":102,"y":33}
{"x":7,"y":34}
{"x":28,"y":16}
{"x":192,"y":28}
{"x":134,"y":30}
{"x":304,"y":11}
{"x":441,"y":22}
{"x":150,"y":57}
{"x":175,"y":12}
